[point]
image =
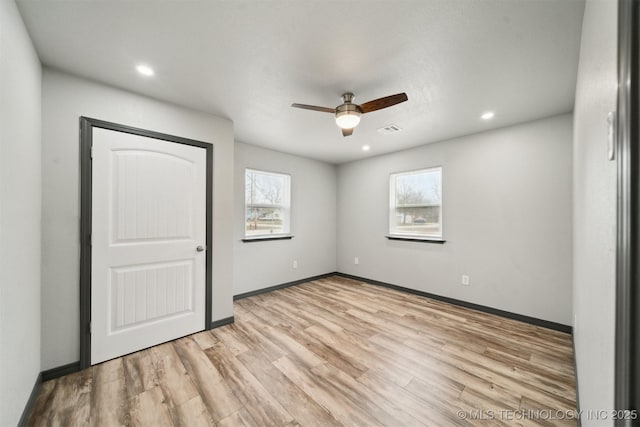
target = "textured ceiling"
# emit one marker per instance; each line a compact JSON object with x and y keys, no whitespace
{"x":249,"y":60}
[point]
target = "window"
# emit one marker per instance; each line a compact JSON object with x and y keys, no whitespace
{"x":415,"y":204}
{"x":267,"y":204}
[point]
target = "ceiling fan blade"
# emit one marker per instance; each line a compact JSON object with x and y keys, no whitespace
{"x":347,"y":132}
{"x":380,"y":103}
{"x":314,"y":108}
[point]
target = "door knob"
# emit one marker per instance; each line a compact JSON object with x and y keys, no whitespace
{"x":200,"y":248}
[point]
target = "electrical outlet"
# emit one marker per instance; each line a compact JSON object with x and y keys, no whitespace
{"x":295,"y":263}
{"x":465,"y":280}
{"x":356,"y":261}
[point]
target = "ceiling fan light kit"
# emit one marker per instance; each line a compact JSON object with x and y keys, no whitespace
{"x":348,"y":114}
{"x":349,"y":117}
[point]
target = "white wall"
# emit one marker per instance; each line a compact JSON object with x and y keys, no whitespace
{"x":65,"y":99}
{"x":595,"y":209}
{"x":20,"y":118}
{"x":506,"y":218}
{"x":313,"y":208}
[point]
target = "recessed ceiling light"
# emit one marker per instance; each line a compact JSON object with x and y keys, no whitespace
{"x":488,"y":115}
{"x":145,"y":70}
{"x":366,"y":148}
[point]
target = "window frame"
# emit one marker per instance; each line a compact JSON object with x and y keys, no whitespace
{"x":285,"y":207}
{"x":392,"y":233}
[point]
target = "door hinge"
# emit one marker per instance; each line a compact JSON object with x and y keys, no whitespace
{"x":90,"y":328}
{"x":92,"y":151}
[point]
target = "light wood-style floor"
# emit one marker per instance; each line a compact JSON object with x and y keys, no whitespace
{"x":330,"y":352}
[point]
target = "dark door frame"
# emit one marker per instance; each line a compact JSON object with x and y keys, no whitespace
{"x":627,"y":365}
{"x":86,"y":142}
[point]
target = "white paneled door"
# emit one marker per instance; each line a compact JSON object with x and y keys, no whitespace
{"x":148,"y":266}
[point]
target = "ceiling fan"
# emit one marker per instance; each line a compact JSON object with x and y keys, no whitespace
{"x":348,"y":113}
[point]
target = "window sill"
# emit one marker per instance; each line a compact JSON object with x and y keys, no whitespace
{"x":265,"y":238}
{"x":415,"y":239}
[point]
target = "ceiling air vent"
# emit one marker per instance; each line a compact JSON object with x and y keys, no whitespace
{"x":389,"y":129}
